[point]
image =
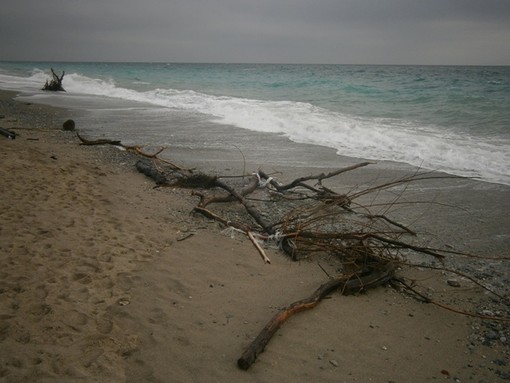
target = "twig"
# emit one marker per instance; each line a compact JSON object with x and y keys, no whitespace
{"x":426,"y":299}
{"x":260,"y":249}
{"x":463,"y":275}
{"x":189,"y":235}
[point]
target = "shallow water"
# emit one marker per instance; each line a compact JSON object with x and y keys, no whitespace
{"x":453,"y":119}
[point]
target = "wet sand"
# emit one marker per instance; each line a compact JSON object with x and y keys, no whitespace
{"x":100,"y":280}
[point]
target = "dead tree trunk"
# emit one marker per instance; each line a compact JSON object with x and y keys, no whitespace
{"x":55,"y":84}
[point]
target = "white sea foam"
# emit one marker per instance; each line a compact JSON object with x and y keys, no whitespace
{"x":380,"y":139}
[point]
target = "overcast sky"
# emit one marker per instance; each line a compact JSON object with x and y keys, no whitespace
{"x":474,"y":32}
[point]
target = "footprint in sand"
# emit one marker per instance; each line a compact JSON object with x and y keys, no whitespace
{"x":4,"y":330}
{"x":82,"y":278}
{"x":75,"y":319}
{"x":38,"y":310}
{"x":104,"y":325}
{"x":41,"y":292}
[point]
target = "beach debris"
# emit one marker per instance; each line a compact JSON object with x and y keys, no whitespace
{"x":8,"y":133}
{"x":138,"y":150}
{"x":309,"y":220}
{"x":55,"y":84}
{"x":346,"y":284}
{"x":156,"y":175}
{"x":185,"y":236}
{"x":257,"y":246}
{"x":100,"y":141}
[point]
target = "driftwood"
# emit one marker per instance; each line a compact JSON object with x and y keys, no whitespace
{"x":319,"y":177}
{"x":134,"y":149}
{"x":101,"y":141}
{"x":150,"y":171}
{"x":55,"y":84}
{"x":257,"y":246}
{"x":347,"y":285}
{"x":310,"y":220}
{"x":8,"y":133}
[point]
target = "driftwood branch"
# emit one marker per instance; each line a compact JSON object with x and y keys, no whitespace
{"x":347,"y":285}
{"x":300,"y":181}
{"x":249,"y":208}
{"x":260,"y":249}
{"x":101,"y":141}
{"x":134,"y":149}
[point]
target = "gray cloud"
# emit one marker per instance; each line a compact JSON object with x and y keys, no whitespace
{"x":319,"y":31}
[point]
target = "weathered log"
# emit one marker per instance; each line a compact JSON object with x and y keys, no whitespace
{"x":145,"y":167}
{"x":249,"y":188}
{"x":347,"y":285}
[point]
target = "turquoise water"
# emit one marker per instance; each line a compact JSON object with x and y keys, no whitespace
{"x":450,"y":118}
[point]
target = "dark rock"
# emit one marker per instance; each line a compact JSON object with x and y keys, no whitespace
{"x":491,"y":335}
{"x":68,"y":125}
{"x":453,"y":283}
{"x":500,"y":362}
{"x":503,"y":374}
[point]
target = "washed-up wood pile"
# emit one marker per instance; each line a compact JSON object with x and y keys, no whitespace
{"x":307,"y":220}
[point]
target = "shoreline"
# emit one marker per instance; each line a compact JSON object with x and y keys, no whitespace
{"x":101,"y":113}
{"x":97,"y":284}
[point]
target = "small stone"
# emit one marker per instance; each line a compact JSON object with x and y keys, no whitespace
{"x":487,"y":313}
{"x":500,"y":362}
{"x":123,"y":301}
{"x":384,"y":348}
{"x":334,"y":363}
{"x":453,"y":283}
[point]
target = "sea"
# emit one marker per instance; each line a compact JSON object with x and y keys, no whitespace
{"x":454,"y":119}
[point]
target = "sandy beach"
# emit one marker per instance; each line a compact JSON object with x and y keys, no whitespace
{"x":105,"y":279}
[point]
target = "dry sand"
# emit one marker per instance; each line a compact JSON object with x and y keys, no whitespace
{"x":98,"y":285}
